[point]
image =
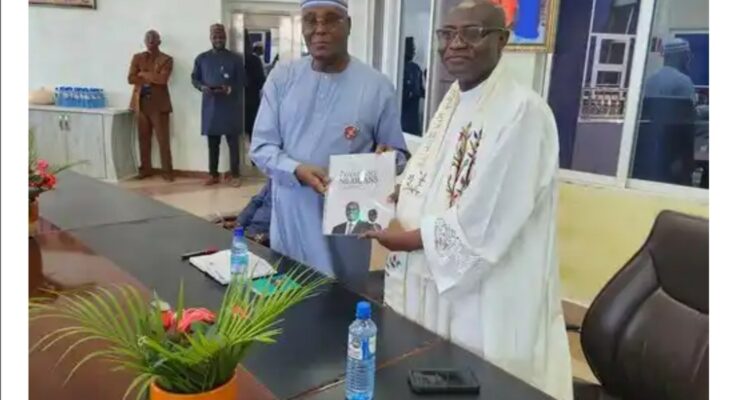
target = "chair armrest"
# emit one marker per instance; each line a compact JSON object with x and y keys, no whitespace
{"x":574,"y":328}
{"x":584,"y":390}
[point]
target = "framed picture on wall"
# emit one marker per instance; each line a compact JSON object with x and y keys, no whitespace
{"x":65,"y":3}
{"x":532,"y":23}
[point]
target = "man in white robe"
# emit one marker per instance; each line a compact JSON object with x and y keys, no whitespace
{"x":475,"y":258}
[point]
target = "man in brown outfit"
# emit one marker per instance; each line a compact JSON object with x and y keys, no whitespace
{"x":149,"y":73}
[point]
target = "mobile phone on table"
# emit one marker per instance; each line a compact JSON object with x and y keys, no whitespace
{"x":443,"y":381}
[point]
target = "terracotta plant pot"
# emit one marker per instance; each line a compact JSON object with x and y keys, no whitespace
{"x":33,"y":217}
{"x":228,"y":391}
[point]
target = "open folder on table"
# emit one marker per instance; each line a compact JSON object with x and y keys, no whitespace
{"x":217,"y":266}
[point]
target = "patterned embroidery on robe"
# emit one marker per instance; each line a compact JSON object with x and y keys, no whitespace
{"x":393,"y":264}
{"x":450,"y":248}
{"x":417,"y":178}
{"x":463,"y":161}
{"x":414,"y":183}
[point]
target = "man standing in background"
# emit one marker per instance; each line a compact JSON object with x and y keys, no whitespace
{"x":672,"y":80}
{"x":149,"y":72}
{"x":220,"y":75}
{"x":413,"y":91}
{"x":323,"y":105}
{"x":254,"y":81}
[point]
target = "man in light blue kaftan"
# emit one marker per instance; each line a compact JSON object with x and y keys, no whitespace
{"x":326,"y":104}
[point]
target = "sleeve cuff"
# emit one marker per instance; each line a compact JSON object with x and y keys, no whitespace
{"x":443,"y":277}
{"x":285,"y":174}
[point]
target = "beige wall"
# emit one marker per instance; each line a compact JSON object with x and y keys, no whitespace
{"x":599,"y":229}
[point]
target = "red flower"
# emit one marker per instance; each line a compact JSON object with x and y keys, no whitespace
{"x":192,"y":315}
{"x":168,"y":318}
{"x":49,"y":181}
{"x":42,"y":166}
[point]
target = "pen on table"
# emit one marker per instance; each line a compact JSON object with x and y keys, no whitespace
{"x":198,"y":253}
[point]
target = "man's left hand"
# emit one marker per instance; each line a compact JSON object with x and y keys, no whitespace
{"x":397,"y":240}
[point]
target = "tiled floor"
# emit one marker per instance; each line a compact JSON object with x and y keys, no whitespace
{"x":189,"y":194}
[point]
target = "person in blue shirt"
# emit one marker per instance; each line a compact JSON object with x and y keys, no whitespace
{"x":665,"y":141}
{"x":672,"y":80}
{"x":220,"y":75}
{"x":255,"y":218}
{"x":328,"y":103}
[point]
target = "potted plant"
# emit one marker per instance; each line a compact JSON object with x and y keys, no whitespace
{"x":187,"y":353}
{"x":41,"y":178}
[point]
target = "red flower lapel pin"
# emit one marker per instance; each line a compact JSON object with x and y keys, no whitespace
{"x":351,"y":132}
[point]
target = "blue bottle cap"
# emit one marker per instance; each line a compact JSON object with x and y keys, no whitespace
{"x":363,"y":310}
{"x":239,"y":231}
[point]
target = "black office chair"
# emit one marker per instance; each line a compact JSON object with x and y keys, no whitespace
{"x":646,"y":335}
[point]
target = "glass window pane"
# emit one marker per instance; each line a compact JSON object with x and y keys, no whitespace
{"x":589,"y":81}
{"x":441,"y":81}
{"x":415,"y":28}
{"x":672,"y":138}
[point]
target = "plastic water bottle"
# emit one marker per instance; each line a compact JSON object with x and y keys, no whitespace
{"x":68,"y":97}
{"x":57,"y":96}
{"x":99,"y":98}
{"x":361,"y":355}
{"x":84,"y":97}
{"x":75,"y":97}
{"x":63,"y":96}
{"x":94,"y":98}
{"x":239,"y":255}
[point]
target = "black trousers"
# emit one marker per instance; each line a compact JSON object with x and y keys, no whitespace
{"x":233,"y":143}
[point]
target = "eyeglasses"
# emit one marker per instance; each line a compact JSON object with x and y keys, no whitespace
{"x":470,"y":35}
{"x":310,"y":22}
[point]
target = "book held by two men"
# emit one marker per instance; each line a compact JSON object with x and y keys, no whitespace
{"x":357,"y":200}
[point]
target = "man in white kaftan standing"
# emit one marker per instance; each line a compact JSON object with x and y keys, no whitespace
{"x":475,"y":260}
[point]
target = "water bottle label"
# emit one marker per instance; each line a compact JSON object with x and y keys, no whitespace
{"x":361,"y":349}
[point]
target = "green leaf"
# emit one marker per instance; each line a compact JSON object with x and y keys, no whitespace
{"x":199,"y":361}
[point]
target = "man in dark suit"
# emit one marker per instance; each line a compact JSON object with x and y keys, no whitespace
{"x":254,"y":81}
{"x":149,"y":72}
{"x":413,"y":91}
{"x":373,"y":218}
{"x":353,"y":226}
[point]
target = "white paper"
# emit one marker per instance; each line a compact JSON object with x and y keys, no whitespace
{"x":357,"y":198}
{"x":217,"y":266}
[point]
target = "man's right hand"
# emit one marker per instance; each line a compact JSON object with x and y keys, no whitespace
{"x":315,"y":177}
{"x":206,"y":89}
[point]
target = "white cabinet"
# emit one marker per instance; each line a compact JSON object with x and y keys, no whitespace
{"x":48,"y":131}
{"x":102,"y":138}
{"x":83,"y":144}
